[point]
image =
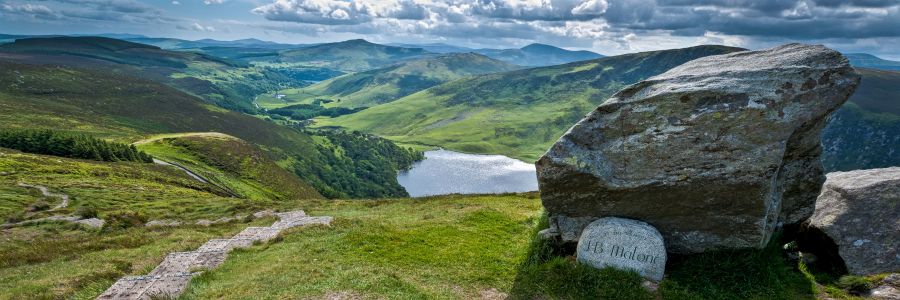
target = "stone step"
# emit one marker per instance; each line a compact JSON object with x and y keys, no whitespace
{"x":147,"y":287}
{"x":189,"y":262}
{"x":225,"y":244}
{"x":261,"y":234}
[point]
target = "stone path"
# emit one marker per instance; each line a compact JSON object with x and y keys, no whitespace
{"x":172,"y":276}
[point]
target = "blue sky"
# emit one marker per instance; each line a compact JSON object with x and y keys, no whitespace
{"x":605,"y":26}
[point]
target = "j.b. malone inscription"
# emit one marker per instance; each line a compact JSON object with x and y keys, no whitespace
{"x":623,"y":244}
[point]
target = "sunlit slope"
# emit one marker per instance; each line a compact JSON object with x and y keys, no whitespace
{"x":374,"y":87}
{"x":231,"y":163}
{"x":519,"y":113}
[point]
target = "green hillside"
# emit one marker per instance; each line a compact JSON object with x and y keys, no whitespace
{"x":226,"y":161}
{"x":518,"y":113}
{"x":227,"y":83}
{"x":374,"y":87}
{"x":865,"y":132}
{"x":349,"y":56}
{"x":115,"y":106}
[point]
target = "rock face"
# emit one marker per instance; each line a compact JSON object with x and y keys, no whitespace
{"x":860,"y":212}
{"x":713,"y":153}
{"x":623,"y":244}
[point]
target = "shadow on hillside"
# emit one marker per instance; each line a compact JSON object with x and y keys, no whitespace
{"x":551,"y":272}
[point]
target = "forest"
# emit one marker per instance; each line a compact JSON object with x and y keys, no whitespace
{"x":70,"y":145}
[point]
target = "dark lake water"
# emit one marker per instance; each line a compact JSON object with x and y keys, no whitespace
{"x":447,"y":172}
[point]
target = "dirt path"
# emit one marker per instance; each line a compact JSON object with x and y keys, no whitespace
{"x":91,"y":222}
{"x":46,"y":192}
{"x":192,"y":174}
{"x":171,"y":277}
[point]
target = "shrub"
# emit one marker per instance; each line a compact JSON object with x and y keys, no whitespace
{"x":86,"y":212}
{"x":39,"y":205}
{"x":16,"y":217}
{"x":854,"y":284}
{"x":123,"y":220}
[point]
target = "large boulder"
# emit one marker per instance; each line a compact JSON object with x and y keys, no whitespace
{"x":713,"y":153}
{"x":859,"y":211}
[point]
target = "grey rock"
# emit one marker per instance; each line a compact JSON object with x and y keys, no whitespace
{"x":860,"y":212}
{"x":623,"y":244}
{"x":714,"y":153}
{"x":885,"y":292}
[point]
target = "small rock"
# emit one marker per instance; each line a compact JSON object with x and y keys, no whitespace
{"x":650,"y":286}
{"x":204,"y":222}
{"x":623,"y":244}
{"x":163,"y":223}
{"x":885,"y":292}
{"x":892,"y":279}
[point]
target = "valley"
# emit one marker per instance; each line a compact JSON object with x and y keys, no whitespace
{"x":422,"y":153}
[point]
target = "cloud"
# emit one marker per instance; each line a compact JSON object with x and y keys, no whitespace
{"x":210,"y":2}
{"x":176,"y":3}
{"x":196,"y":27}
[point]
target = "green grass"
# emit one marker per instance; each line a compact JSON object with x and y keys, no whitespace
{"x":446,"y":247}
{"x":154,"y":191}
{"x":230,"y":163}
{"x":57,"y":261}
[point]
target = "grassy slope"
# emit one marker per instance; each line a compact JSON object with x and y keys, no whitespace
{"x":349,"y":56}
{"x":865,"y":132}
{"x":448,"y":247}
{"x":153,"y":190}
{"x":374,"y":87}
{"x":223,"y":82}
{"x":127,"y":109}
{"x":231,"y":163}
{"x":518,"y":113}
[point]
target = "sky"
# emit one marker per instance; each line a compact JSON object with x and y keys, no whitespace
{"x":608,"y":27}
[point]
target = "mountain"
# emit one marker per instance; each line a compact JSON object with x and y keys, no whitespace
{"x":374,"y":87}
{"x":350,"y":56}
{"x":538,"y":55}
{"x":864,"y":60}
{"x":177,"y":44}
{"x":518,"y":113}
{"x":228,"y":83}
{"x":865,"y":132}
{"x":123,"y":107}
{"x":435,"y":47}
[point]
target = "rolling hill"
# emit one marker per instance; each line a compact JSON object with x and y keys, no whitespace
{"x":125,"y":108}
{"x":865,"y":60}
{"x":518,"y":113}
{"x":374,"y":87}
{"x":227,"y":83}
{"x":537,"y":55}
{"x":349,"y":56}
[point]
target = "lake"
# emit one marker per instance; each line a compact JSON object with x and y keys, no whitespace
{"x":447,"y":172}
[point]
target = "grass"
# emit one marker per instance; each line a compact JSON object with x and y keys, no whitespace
{"x":446,"y":247}
{"x":55,"y":261}
{"x":153,"y":191}
{"x":236,"y":166}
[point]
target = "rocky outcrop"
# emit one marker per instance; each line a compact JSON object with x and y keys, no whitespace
{"x":713,"y":153}
{"x":859,"y":211}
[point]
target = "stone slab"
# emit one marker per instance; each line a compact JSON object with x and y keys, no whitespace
{"x":623,"y":244}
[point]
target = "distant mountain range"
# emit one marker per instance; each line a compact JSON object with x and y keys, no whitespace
{"x":864,"y":60}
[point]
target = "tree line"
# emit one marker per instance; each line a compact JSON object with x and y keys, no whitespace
{"x":70,"y":145}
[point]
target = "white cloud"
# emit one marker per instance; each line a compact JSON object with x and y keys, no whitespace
{"x":176,"y":3}
{"x":196,"y":27}
{"x":209,"y":2}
